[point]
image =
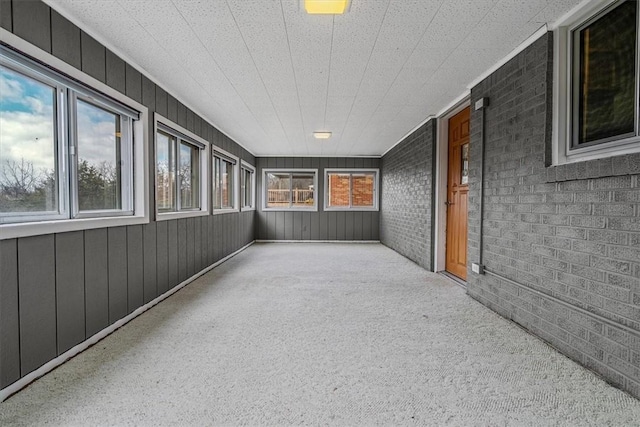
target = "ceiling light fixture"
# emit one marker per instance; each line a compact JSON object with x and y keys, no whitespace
{"x":326,"y":7}
{"x":322,"y":135}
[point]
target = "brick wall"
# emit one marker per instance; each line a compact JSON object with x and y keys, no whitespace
{"x":407,"y":193}
{"x":561,"y":244}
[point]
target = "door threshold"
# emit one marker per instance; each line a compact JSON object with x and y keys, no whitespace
{"x":458,"y":281}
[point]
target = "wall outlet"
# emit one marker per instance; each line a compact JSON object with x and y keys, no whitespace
{"x":477,"y":268}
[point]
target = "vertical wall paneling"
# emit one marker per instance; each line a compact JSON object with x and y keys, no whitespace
{"x":288,"y":225}
{"x":197,"y":243}
{"x":133,"y":83}
{"x":96,"y":280}
{"x":173,"y":269}
{"x":182,"y":250}
{"x":150,"y":261}
{"x":182,"y":115}
{"x":65,"y":40}
{"x":118,"y":285}
{"x":162,"y":257}
{"x":350,"y":224}
{"x":37,"y":301}
{"x":58,"y":290}
{"x":70,"y":298}
{"x":116,"y":72}
{"x":318,"y":225}
{"x":148,"y":93}
{"x":9,"y":313}
{"x":6,"y":15}
{"x":161,"y":102}
{"x":172,"y":109}
{"x":94,"y":57}
{"x":357,"y":225}
{"x":341,"y":225}
{"x":32,"y":22}
{"x":135,"y":263}
{"x":210,"y":239}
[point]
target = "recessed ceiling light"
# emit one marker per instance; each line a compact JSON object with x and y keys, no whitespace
{"x":322,"y":135}
{"x":328,"y":7}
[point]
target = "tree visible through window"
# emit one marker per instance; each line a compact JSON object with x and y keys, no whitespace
{"x":178,"y":172}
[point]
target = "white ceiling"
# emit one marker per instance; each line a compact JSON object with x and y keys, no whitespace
{"x":267,"y":74}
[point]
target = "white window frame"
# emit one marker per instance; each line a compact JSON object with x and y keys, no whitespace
{"x":312,"y":208}
{"x":135,"y":208}
{"x":562,"y":151}
{"x":235,"y":193}
{"x":163,"y":124}
{"x":351,"y":172}
{"x":246,"y":166}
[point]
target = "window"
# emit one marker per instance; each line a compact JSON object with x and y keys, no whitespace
{"x":66,"y":151}
{"x":224,"y":172}
{"x":599,"y":82}
{"x":290,"y":189}
{"x":248,"y":186}
{"x":180,"y":170}
{"x":351,"y":189}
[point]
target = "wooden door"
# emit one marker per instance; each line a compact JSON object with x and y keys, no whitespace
{"x":457,"y":194}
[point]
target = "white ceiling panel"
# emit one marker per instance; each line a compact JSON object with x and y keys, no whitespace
{"x":267,"y":74}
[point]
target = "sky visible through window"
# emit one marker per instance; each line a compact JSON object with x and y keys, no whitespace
{"x":28,"y":167}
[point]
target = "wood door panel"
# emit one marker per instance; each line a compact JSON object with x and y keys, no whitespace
{"x":457,"y":195}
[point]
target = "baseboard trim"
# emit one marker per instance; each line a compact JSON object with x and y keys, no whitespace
{"x":15,"y":387}
{"x":317,"y":241}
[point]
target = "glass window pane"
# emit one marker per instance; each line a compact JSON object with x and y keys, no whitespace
{"x":605,"y":87}
{"x":362,"y":192}
{"x":302,"y":190}
{"x":338,"y":190}
{"x":165,"y":170}
{"x":464,"y":169}
{"x":189,"y":173}
{"x":217,"y":193}
{"x":248,"y":189}
{"x":227,"y":184}
{"x":99,"y":158}
{"x":278,"y":190}
{"x":28,"y":167}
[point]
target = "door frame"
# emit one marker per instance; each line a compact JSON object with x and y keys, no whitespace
{"x":441,"y":169}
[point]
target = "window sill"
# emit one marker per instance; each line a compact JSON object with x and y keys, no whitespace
{"x":225,"y":211}
{"x":313,"y":209}
{"x":628,"y":164}
{"x":247,"y":209}
{"x":25,"y":229}
{"x":166,"y":216}
{"x":351,"y":209}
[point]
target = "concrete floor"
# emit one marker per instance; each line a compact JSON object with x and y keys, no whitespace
{"x":331,"y":334}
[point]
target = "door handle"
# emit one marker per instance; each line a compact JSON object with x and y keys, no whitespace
{"x":448,"y":203}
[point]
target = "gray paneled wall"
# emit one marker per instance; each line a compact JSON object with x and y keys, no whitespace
{"x":57,"y":290}
{"x":560,"y":243}
{"x":406,"y":214}
{"x":320,"y":225}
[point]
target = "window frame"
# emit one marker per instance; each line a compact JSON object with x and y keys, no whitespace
{"x":162,"y":124}
{"x":24,"y":58}
{"x":235,"y":192}
{"x":290,"y":171}
{"x":564,"y":71}
{"x":244,"y":166}
{"x":351,"y":172}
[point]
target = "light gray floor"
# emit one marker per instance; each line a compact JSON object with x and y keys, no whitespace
{"x":320,"y":334}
